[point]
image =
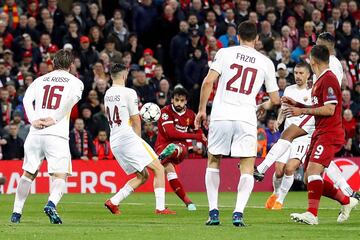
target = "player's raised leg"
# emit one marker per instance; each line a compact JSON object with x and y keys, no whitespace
{"x":22,"y":192}
{"x":339,"y":181}
{"x":278,"y":149}
{"x":212,"y":182}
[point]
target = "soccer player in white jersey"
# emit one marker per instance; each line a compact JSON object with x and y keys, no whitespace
{"x":132,"y":153}
{"x":54,"y":94}
{"x":287,"y":164}
{"x":294,"y":131}
{"x":241,"y":71}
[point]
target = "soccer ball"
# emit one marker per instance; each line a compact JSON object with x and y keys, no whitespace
{"x":150,"y":112}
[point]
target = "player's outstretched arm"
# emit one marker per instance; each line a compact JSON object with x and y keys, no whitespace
{"x":205,"y":92}
{"x":323,"y":111}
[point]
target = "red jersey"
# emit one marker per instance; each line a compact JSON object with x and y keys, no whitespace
{"x":174,"y":126}
{"x":326,"y":90}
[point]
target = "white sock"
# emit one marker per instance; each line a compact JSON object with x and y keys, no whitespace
{"x":22,"y":192}
{"x":212,"y":182}
{"x":160,"y":198}
{"x":286,"y":183}
{"x":245,"y":187}
{"x":124,"y":192}
{"x":335,"y":175}
{"x":57,"y":190}
{"x":277,"y":150}
{"x":276,"y":184}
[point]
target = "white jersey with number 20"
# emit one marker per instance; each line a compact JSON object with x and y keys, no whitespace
{"x":243,"y":70}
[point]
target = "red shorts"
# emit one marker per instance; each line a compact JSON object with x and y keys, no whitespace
{"x":322,"y":151}
{"x":175,"y":158}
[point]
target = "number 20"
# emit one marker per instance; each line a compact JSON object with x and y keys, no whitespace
{"x":319,"y":151}
{"x":244,"y":73}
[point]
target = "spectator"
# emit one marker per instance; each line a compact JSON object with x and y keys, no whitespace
{"x":145,"y":29}
{"x":158,"y":75}
{"x":56,"y":33}
{"x":195,"y":71}
{"x":6,"y":107}
{"x":193,"y":22}
{"x":178,"y":51}
{"x":100,"y":120}
{"x":56,"y":12}
{"x":349,"y":104}
{"x":102,"y":146}
{"x":294,"y":32}
{"x":105,"y":59}
{"x":144,"y":90}
{"x":317,"y":22}
{"x":354,"y":66}
{"x":349,"y":123}
{"x":96,"y":38}
{"x":88,"y":56}
{"x":13,"y":12}
{"x":23,"y":128}
{"x":81,"y":143}
{"x":161,"y":99}
{"x":282,"y":12}
{"x":287,"y":41}
{"x":73,"y":36}
{"x":164,"y":86}
{"x":229,"y":36}
{"x":267,"y":36}
{"x":14,"y":147}
{"x":282,"y":83}
{"x":276,"y":53}
{"x":309,"y":32}
{"x":194,"y":43}
{"x":6,"y":35}
{"x":197,"y":9}
{"x":120,"y":34}
{"x":272,"y":19}
{"x":93,"y":102}
{"x":336,"y":18}
{"x":134,"y":48}
{"x":99,"y":72}
{"x":101,"y":86}
{"x":271,"y":134}
{"x":301,"y":51}
{"x":242,"y":13}
{"x":229,"y":20}
{"x":345,"y":14}
{"x":115,"y":56}
{"x":4,"y":74}
{"x":93,"y":14}
{"x":354,"y":46}
{"x":347,"y":34}
{"x":86,"y":115}
{"x":354,"y":9}
{"x":149,"y":134}
{"x":79,"y":17}
{"x":260,"y":10}
{"x":148,"y":62}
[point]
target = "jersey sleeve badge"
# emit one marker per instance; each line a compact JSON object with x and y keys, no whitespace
{"x":164,"y":116}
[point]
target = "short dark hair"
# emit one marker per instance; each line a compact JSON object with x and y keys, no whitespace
{"x":327,"y":37}
{"x":180,"y":91}
{"x":304,"y":65}
{"x":63,"y":59}
{"x":247,"y":31}
{"x":320,"y":53}
{"x":116,"y":68}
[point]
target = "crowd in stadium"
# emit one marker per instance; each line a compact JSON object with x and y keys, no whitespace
{"x":165,"y":44}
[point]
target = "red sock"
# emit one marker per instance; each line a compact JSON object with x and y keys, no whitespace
{"x":179,"y":190}
{"x":331,"y":192}
{"x":315,"y":189}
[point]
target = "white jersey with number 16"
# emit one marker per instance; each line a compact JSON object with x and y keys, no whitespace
{"x":243,"y":70}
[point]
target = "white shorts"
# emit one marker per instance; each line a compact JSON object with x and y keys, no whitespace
{"x":298,"y":149}
{"x":133,"y":154}
{"x":234,"y":138}
{"x":54,"y":148}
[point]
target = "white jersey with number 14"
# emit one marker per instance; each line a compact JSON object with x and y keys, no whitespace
{"x":243,"y":70}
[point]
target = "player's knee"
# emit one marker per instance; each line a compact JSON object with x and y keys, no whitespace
{"x":279,"y":173}
{"x":144,"y":176}
{"x":214,"y":160}
{"x":289,"y":170}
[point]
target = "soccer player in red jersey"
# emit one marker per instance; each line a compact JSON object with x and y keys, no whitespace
{"x":176,"y":125}
{"x":327,"y":139}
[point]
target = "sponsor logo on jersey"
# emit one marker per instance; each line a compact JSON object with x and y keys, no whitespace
{"x":165,"y":116}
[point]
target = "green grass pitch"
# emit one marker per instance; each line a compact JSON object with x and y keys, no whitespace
{"x":85,"y":217}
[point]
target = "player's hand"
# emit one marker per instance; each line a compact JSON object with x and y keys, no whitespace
{"x":288,"y":101}
{"x":260,"y":111}
{"x":276,"y":125}
{"x":292,"y":111}
{"x":3,"y":142}
{"x":49,"y":121}
{"x":203,"y":139}
{"x":201,"y":118}
{"x":38,"y":124}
